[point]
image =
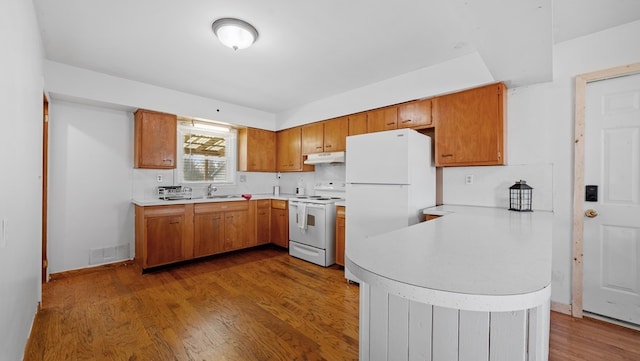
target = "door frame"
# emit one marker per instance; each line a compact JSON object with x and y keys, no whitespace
{"x":578,"y":174}
{"x":45,"y":185}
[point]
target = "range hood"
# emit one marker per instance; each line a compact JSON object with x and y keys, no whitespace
{"x":329,"y":157}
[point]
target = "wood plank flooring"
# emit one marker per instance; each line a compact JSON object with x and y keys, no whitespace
{"x":258,"y":304}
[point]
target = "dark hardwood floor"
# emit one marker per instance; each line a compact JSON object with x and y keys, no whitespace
{"x":259,"y":304}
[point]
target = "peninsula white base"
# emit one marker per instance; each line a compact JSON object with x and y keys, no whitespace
{"x":397,"y":328}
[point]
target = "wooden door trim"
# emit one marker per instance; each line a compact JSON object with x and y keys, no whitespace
{"x":578,"y":174}
{"x":45,"y":184}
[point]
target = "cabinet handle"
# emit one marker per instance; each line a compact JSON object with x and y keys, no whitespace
{"x":318,"y":147}
{"x":406,"y":121}
{"x":328,"y":146}
{"x":167,"y":160}
{"x":176,"y":222}
{"x":390,"y":123}
{"x":447,"y":155}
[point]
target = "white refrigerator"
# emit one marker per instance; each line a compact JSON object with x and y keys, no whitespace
{"x":390,"y":179}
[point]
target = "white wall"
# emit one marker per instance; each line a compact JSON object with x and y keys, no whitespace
{"x":92,"y":182}
{"x":81,"y":85}
{"x":464,"y":72}
{"x":540,"y":135}
{"x":21,"y":89}
{"x":90,"y":162}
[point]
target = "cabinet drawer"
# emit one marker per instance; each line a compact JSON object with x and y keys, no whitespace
{"x":278,"y":204}
{"x":263,"y":203}
{"x":159,"y":211}
{"x":221,"y":207}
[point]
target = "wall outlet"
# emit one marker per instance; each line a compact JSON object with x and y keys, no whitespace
{"x":468,"y":179}
{"x":159,"y":178}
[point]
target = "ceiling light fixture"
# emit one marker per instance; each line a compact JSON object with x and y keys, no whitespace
{"x":235,"y":33}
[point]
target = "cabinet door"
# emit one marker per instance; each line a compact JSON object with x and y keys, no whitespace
{"x":256,"y":150}
{"x":164,"y":240}
{"x":155,"y":140}
{"x":469,"y":127}
{"x":357,"y":123}
{"x":340,"y":234}
{"x":382,"y":119}
{"x":263,"y":221}
{"x":280,"y":227}
{"x":416,"y":114}
{"x":236,"y":230}
{"x":313,"y":138}
{"x":208,"y":233}
{"x":289,"y":151}
{"x":335,"y":134}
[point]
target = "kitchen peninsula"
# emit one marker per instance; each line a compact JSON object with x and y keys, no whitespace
{"x":472,"y":284}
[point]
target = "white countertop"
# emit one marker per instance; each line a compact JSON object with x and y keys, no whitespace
{"x":160,"y":202}
{"x":469,"y":250}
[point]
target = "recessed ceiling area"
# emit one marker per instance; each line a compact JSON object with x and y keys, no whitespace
{"x":310,"y":51}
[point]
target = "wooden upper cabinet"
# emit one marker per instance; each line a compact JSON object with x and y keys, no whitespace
{"x":335,"y":134}
{"x":357,"y":123}
{"x":415,"y":114}
{"x":289,"y":151}
{"x":313,"y":138}
{"x":256,"y":150}
{"x":469,"y":127}
{"x":382,"y":119}
{"x":327,"y":136}
{"x":155,"y":140}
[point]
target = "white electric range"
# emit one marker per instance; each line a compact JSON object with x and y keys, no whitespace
{"x":312,"y":222}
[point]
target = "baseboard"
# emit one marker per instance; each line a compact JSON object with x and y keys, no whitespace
{"x":561,"y":308}
{"x":81,"y":271}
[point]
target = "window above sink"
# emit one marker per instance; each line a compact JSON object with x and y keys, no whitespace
{"x":206,"y":152}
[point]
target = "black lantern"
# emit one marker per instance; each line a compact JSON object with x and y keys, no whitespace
{"x":520,"y":197}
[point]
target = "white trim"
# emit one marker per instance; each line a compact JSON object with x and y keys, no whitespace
{"x":578,"y":180}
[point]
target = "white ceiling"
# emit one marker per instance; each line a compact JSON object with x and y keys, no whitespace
{"x":306,"y":50}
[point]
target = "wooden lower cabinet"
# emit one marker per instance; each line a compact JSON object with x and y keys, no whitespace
{"x":263,"y":221}
{"x":279,"y":223}
{"x":164,"y":234}
{"x":340,"y":234}
{"x":174,"y":233}
{"x":221,"y":227}
{"x":208,"y":235}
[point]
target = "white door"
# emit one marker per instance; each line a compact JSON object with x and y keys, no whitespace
{"x":612,"y":236}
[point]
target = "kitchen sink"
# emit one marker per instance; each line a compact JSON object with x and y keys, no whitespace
{"x":224,"y":196}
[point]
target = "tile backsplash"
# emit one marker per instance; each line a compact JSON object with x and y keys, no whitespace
{"x":145,"y":181}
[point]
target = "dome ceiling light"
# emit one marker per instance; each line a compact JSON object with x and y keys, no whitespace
{"x":234,"y":33}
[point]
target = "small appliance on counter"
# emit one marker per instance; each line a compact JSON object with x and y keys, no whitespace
{"x":172,"y":193}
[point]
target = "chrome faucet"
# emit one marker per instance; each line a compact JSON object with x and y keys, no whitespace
{"x":210,"y":190}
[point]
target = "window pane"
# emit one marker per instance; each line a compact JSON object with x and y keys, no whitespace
{"x":206,"y":156}
{"x":201,"y":169}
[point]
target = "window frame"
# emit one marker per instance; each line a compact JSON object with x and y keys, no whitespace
{"x":231,"y":151}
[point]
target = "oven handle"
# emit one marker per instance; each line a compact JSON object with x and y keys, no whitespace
{"x":309,"y":205}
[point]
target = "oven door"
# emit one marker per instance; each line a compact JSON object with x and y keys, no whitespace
{"x":309,"y":230}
